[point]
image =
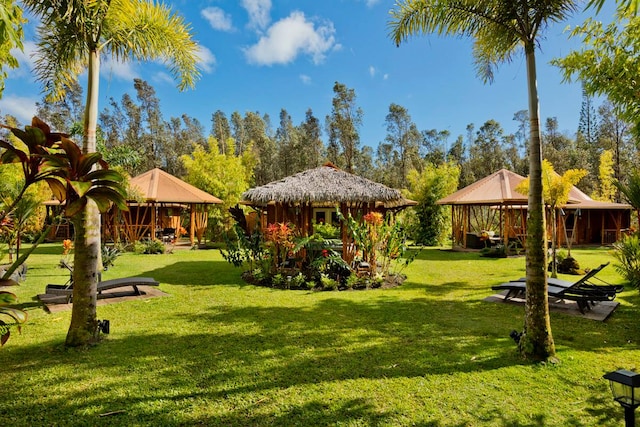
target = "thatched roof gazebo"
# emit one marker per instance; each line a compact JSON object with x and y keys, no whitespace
{"x":162,"y":198}
{"x":313,"y":195}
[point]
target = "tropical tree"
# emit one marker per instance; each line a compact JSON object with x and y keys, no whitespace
{"x":631,"y":190}
{"x":500,"y":29}
{"x":428,"y":221}
{"x":342,"y":126}
{"x":73,"y":36}
{"x":10,"y":36}
{"x":555,"y":190}
{"x":221,"y":173}
{"x":608,"y":63}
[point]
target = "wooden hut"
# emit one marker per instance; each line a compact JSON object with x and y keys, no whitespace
{"x":492,"y":204}
{"x":162,"y":200}
{"x":312,"y":196}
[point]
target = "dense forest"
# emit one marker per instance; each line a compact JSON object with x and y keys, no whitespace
{"x":134,"y":134}
{"x":240,"y":150}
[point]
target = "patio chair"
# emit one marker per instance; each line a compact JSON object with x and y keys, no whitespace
{"x":586,"y":282}
{"x":583,"y":292}
{"x":103,"y":285}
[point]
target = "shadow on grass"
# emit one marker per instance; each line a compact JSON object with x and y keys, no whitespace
{"x":243,"y":358}
{"x":197,"y":273}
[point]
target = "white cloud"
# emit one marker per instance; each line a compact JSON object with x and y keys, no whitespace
{"x":385,"y":76}
{"x":258,"y":11}
{"x":290,"y":37}
{"x":207,"y":60}
{"x":118,"y":69}
{"x":371,"y":3}
{"x":26,"y":59}
{"x":162,"y":77}
{"x":217,"y":18}
{"x":305,"y":79}
{"x":22,"y":108}
{"x":372,"y":70}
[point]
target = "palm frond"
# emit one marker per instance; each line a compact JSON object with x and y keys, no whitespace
{"x":147,"y":31}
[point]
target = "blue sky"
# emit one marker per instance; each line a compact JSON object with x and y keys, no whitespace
{"x":264,"y":55}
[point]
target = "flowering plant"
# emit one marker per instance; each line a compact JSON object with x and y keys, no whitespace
{"x":67,"y":246}
{"x":279,"y":241}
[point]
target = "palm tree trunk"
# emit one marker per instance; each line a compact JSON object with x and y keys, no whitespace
{"x":84,"y":323}
{"x":87,"y":259}
{"x":537,"y":341}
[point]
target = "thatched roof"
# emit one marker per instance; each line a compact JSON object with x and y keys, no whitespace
{"x":324,"y":184}
{"x":158,"y":186}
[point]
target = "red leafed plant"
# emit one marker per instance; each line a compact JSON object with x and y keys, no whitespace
{"x":279,"y":241}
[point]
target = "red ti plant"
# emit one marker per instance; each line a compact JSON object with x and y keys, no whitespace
{"x":279,"y":241}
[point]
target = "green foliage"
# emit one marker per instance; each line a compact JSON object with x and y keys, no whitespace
{"x":429,"y":223}
{"x":608,"y":63}
{"x":109,"y":255}
{"x":627,"y":252}
{"x":631,"y":190}
{"x":326,"y":230}
{"x":243,"y":247}
{"x":11,"y":34}
{"x":149,"y":247}
{"x":328,"y":283}
{"x":606,"y":174}
{"x":9,"y":316}
{"x":224,"y":175}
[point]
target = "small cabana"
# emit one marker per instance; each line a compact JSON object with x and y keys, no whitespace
{"x":162,"y":199}
{"x":493,"y":205}
{"x":312,"y":196}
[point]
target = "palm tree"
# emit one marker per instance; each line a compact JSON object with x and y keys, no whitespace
{"x":500,"y":29}
{"x":73,"y":36}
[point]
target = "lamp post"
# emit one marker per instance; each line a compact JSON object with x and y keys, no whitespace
{"x":623,"y":386}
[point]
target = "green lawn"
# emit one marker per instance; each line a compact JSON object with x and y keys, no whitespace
{"x":221,"y":352}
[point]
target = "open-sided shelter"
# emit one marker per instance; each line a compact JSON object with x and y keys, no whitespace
{"x":492,"y":204}
{"x":163,"y":199}
{"x":312,"y":196}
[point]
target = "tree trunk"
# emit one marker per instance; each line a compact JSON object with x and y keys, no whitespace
{"x":84,"y":323}
{"x":87,"y":261}
{"x":554,"y":242}
{"x":536,"y":342}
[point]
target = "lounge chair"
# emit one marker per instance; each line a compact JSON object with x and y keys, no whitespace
{"x":134,"y":282}
{"x":585,"y":282}
{"x":583,"y":292}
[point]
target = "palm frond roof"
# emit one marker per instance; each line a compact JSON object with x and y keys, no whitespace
{"x":324,"y":184}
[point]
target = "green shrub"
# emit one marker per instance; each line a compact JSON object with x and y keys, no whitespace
{"x":627,"y":252}
{"x":326,"y":230}
{"x":149,"y":247}
{"x":278,"y":281}
{"x":109,"y":255}
{"x":298,"y":281}
{"x":328,"y":283}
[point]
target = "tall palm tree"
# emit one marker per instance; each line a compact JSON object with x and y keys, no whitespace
{"x":500,"y":29}
{"x":73,"y":36}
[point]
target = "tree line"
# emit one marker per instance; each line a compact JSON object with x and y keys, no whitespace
{"x":134,"y":134}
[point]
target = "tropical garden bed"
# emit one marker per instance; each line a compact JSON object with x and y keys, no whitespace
{"x":278,"y":257}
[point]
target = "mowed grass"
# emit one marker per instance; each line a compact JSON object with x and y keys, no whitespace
{"x":220,"y":352}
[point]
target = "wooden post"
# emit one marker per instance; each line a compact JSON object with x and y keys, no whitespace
{"x":192,"y":220}
{"x":153,"y":221}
